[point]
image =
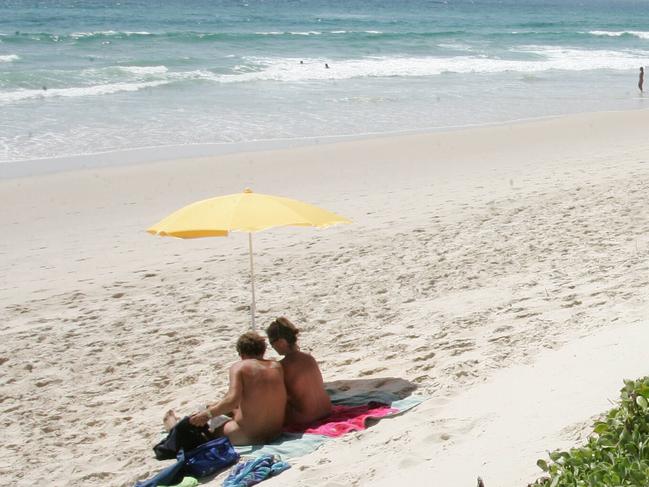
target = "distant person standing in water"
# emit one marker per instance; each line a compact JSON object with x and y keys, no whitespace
{"x":641,"y":79}
{"x":326,"y":66}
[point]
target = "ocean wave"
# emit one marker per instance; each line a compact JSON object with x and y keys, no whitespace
{"x":524,"y":59}
{"x":530,"y":30}
{"x":107,"y":89}
{"x":570,"y":59}
{"x":542,"y":58}
{"x":317,"y":33}
{"x":108,"y":33}
{"x":9,"y":58}
{"x":111,"y":35}
{"x":110,"y":75}
{"x":630,"y":33}
{"x":143,"y":70}
{"x":281,"y":33}
{"x":51,"y":37}
{"x":94,"y":81}
{"x":559,"y":35}
{"x":308,"y":33}
{"x":193,"y":36}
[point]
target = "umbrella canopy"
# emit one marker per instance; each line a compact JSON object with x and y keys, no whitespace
{"x":245,"y":212}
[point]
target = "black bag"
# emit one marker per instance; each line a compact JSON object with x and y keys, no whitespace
{"x":183,"y":436}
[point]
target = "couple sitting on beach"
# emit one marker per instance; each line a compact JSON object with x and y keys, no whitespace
{"x":265,"y":395}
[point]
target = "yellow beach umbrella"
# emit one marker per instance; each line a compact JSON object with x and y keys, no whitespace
{"x":243,"y":212}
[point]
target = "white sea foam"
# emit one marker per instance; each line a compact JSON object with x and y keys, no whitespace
{"x":542,"y":58}
{"x":107,"y":89}
{"x":142,"y":70}
{"x":198,"y":74}
{"x":607,"y":33}
{"x":9,"y":58}
{"x":296,"y":33}
{"x":136,"y":74}
{"x":315,"y":32}
{"x":583,"y":60}
{"x":548,"y":58}
{"x":78,"y":35}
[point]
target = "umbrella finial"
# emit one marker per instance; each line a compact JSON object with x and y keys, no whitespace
{"x":247,"y":190}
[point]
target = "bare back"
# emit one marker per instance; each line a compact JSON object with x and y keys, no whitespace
{"x":262,"y":404}
{"x":307,"y":398}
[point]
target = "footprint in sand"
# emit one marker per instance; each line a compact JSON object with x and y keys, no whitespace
{"x":424,"y":357}
{"x":372,"y":371}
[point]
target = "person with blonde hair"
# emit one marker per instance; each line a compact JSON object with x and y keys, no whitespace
{"x":307,"y":399}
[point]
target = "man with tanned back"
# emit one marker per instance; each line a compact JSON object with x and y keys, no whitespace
{"x":256,"y":398}
{"x":307,"y":399}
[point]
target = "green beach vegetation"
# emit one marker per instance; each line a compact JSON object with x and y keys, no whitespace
{"x":617,"y":452}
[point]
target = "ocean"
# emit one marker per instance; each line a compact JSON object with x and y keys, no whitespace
{"x":86,"y":77}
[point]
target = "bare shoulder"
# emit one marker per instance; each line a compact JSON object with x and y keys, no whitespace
{"x":273,"y":364}
{"x":238,"y":366}
{"x":298,"y":359}
{"x":306,"y":357}
{"x":257,"y":364}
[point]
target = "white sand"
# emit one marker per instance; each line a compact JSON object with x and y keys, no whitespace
{"x":472,"y":252}
{"x":496,"y":430}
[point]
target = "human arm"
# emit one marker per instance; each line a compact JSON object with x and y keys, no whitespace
{"x":229,"y":402}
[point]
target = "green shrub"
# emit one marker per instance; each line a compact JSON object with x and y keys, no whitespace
{"x":617,"y":453}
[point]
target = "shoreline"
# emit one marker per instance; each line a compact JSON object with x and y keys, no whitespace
{"x":155,"y":154}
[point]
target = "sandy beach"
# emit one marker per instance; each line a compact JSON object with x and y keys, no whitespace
{"x":496,"y":269}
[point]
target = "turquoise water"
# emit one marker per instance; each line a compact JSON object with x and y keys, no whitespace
{"x":84,"y":77}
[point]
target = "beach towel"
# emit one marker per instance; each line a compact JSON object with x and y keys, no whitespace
{"x":295,"y":444}
{"x":344,"y":419}
{"x":254,"y":471}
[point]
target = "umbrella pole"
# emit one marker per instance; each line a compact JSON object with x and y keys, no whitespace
{"x":252,"y":281}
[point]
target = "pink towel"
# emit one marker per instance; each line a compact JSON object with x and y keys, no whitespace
{"x":344,"y":419}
